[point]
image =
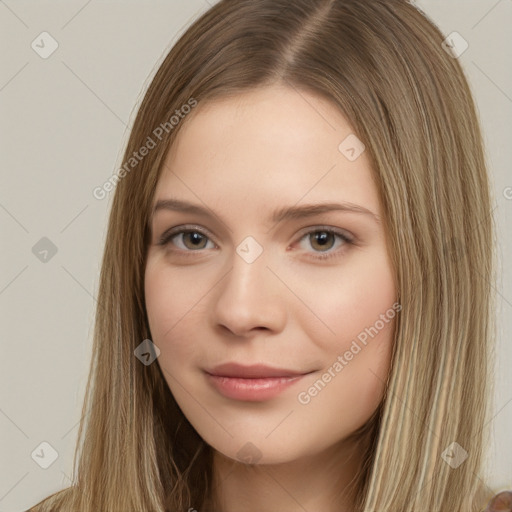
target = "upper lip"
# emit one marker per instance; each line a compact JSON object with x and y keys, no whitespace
{"x":251,"y":372}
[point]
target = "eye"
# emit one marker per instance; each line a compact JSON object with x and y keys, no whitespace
{"x":187,"y":240}
{"x":323,"y":239}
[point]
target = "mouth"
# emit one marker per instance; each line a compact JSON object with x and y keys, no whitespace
{"x":254,"y":383}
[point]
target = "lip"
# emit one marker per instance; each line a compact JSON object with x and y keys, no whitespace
{"x":255,"y":371}
{"x":254,"y":383}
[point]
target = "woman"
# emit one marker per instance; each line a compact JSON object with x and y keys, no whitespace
{"x":295,"y":297}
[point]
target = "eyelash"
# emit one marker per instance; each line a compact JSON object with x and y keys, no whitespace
{"x":168,"y":236}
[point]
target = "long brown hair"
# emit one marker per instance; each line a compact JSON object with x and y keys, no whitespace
{"x":381,"y":62}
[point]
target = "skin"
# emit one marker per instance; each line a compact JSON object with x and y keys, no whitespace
{"x":244,"y":157}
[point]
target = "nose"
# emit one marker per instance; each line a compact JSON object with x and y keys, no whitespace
{"x":250,"y":298}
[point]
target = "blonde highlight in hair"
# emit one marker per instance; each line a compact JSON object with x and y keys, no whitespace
{"x":382,"y":65}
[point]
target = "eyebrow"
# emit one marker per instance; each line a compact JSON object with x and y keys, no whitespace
{"x":279,"y":215}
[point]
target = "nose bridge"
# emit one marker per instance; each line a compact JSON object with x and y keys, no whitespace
{"x":249,"y":273}
{"x":247,"y":298}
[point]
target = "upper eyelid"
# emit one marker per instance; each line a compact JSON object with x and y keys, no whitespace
{"x":178,"y":230}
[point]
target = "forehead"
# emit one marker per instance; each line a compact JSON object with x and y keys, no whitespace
{"x":271,"y":145}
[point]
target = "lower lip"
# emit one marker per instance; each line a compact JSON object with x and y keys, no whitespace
{"x":252,"y":390}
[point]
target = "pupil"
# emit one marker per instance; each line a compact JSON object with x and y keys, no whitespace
{"x":196,"y":238}
{"x":321,"y":238}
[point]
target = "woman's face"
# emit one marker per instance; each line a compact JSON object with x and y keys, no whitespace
{"x":274,"y":255}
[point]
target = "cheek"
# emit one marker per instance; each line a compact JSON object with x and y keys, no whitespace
{"x":350,"y":387}
{"x":171,"y":294}
{"x":358,"y":306}
{"x":171,"y":303}
{"x":349,"y":300}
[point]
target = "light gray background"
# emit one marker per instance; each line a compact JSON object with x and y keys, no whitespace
{"x":64,"y":123}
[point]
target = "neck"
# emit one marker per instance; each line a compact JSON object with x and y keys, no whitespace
{"x":325,"y":481}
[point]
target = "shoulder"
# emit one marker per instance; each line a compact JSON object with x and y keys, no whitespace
{"x":501,"y":502}
{"x":57,"y":502}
